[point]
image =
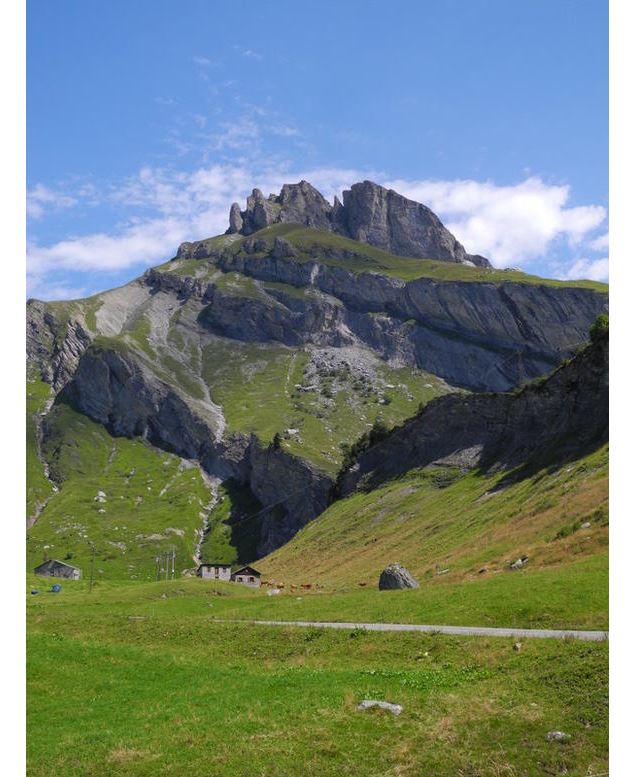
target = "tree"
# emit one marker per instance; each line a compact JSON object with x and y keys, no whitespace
{"x":599,"y":328}
{"x":276,"y":443}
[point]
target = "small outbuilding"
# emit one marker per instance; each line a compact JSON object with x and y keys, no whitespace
{"x":55,"y":568}
{"x":215,"y":571}
{"x":247,"y":576}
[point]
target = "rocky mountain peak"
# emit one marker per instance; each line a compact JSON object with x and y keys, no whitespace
{"x":369,"y":213}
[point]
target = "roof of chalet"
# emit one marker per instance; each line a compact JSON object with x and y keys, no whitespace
{"x":246,"y":571}
{"x":213,"y":564}
{"x":55,"y":561}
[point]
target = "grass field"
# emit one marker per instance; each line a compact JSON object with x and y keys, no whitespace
{"x":143,"y":679}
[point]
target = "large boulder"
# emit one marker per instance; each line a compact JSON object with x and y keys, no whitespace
{"x":394,"y":577}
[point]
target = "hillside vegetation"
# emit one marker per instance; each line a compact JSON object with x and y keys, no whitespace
{"x":128,"y":500}
{"x":38,"y":487}
{"x":465,"y":526}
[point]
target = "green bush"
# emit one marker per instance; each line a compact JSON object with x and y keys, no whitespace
{"x":599,"y":328}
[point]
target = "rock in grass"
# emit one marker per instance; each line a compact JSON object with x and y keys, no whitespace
{"x":394,"y":577}
{"x":367,"y":704}
{"x":283,"y":249}
{"x":558,"y":736}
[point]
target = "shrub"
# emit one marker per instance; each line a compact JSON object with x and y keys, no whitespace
{"x":599,"y":328}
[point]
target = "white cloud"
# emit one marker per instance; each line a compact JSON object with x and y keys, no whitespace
{"x":589,"y":269}
{"x":509,"y":224}
{"x":283,"y":130}
{"x":203,"y":61}
{"x":241,"y":135}
{"x":600,"y":243}
{"x":249,"y":53}
{"x":40,"y":288}
{"x":41,"y":198}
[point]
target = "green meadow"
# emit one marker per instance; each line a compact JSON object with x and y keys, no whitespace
{"x":152,"y":679}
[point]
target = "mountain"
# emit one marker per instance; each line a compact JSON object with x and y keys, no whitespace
{"x":256,"y":359}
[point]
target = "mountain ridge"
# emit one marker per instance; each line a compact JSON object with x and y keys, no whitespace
{"x":261,"y":355}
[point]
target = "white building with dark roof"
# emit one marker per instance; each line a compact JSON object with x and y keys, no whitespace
{"x":247,"y":576}
{"x":215,"y":571}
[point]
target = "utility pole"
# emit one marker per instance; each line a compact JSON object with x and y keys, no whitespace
{"x":92,"y":568}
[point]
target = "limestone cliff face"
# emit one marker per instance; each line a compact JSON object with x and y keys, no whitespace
{"x":562,"y":416}
{"x":296,"y":492}
{"x":53,"y":347}
{"x":482,"y":336}
{"x":118,"y":390}
{"x":370,"y":213}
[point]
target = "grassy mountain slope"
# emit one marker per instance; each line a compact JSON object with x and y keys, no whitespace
{"x":264,"y":389}
{"x":437,"y":519}
{"x":38,"y":487}
{"x":315,"y":399}
{"x":254,"y":384}
{"x":366,"y":258}
{"x":153,"y":501}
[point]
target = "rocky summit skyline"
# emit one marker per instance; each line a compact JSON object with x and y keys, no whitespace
{"x":370,"y":213}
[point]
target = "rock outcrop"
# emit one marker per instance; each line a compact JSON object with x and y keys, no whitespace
{"x":53,"y":347}
{"x":370,"y":213}
{"x":384,"y":218}
{"x":561,"y":416}
{"x":396,"y":577}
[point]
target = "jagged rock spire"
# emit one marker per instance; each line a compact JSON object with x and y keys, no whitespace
{"x":370,"y":213}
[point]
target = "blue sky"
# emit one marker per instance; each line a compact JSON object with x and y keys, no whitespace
{"x":146,"y":119}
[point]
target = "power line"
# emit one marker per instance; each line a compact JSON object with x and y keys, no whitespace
{"x":265,"y":509}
